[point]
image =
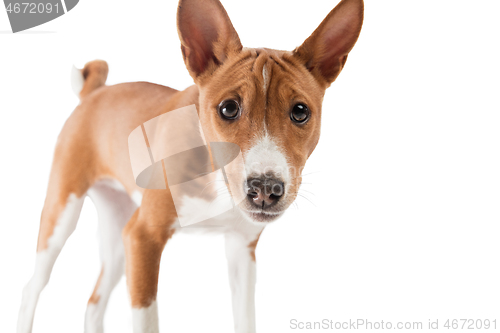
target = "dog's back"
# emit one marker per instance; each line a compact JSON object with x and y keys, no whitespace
{"x":102,"y":123}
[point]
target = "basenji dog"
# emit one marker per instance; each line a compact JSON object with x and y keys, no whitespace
{"x":268,"y":102}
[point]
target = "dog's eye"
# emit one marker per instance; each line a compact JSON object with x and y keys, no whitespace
{"x":229,"y":109}
{"x":300,"y":113}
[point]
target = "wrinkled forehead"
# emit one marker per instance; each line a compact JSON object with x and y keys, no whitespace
{"x":264,"y":77}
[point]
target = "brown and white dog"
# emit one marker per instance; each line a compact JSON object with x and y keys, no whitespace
{"x":268,"y":102}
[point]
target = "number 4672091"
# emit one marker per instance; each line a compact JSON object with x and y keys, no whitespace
{"x":470,"y":324}
{"x":32,"y":8}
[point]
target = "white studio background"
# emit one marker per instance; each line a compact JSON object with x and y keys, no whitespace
{"x":404,"y":220}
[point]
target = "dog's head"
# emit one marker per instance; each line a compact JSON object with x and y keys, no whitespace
{"x":268,"y":102}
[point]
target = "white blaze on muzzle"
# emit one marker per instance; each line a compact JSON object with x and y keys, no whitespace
{"x":267,"y":159}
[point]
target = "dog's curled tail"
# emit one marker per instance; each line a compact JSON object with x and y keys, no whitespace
{"x":92,"y":76}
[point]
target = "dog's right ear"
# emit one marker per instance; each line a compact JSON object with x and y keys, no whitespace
{"x":207,"y":36}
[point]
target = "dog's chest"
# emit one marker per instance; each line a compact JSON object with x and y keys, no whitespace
{"x":196,"y":215}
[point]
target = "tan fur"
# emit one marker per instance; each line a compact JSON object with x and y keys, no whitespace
{"x":94,"y":298}
{"x":95,"y":74}
{"x":145,"y":237}
{"x":253,"y":245}
{"x":83,"y":148}
{"x":93,"y":143}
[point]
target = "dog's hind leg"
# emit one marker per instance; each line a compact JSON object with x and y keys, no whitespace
{"x":114,"y":208}
{"x":59,"y":217}
{"x":74,"y":170}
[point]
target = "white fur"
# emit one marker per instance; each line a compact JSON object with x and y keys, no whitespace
{"x":137,"y":198}
{"x":233,"y":220}
{"x":197,"y":210}
{"x":200,"y":206}
{"x":242,"y":278}
{"x":265,"y":156}
{"x":145,"y":320}
{"x":266,"y":78}
{"x":45,"y":261}
{"x":77,"y":80}
{"x":114,"y":208}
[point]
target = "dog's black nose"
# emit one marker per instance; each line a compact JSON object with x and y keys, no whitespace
{"x":264,"y":192}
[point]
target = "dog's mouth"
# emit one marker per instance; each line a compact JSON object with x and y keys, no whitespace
{"x":263,"y":216}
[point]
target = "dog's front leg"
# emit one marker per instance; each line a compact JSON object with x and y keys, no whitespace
{"x":144,"y":238}
{"x":240,"y":254}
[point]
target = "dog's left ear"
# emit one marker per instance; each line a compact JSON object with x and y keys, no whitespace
{"x":325,"y":52}
{"x":207,"y":35}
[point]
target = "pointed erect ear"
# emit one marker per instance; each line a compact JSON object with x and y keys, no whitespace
{"x":207,"y":35}
{"x":325,"y":52}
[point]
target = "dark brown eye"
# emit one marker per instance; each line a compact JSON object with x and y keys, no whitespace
{"x":300,"y":113}
{"x":229,"y":109}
